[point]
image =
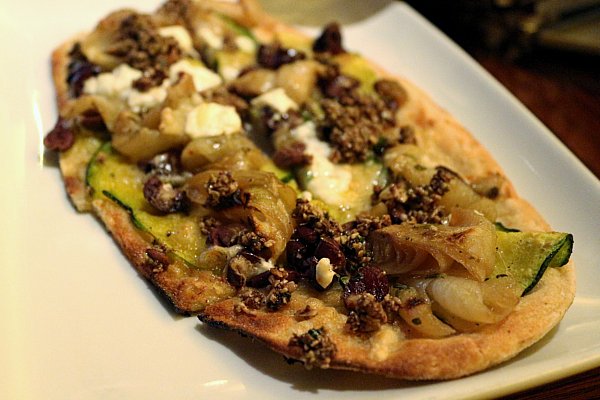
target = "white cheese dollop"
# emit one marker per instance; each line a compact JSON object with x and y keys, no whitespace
{"x":212,"y":119}
{"x":261,"y":267}
{"x":245,"y":44}
{"x":117,"y":83}
{"x":277,"y":99}
{"x":203,"y":77}
{"x":211,"y":38}
{"x":324,"y":272}
{"x":139,"y":101}
{"x":326,"y":180}
{"x":181,"y":35}
{"x":112,"y":83}
{"x":229,"y":73}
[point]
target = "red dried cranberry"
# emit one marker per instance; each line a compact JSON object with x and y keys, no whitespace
{"x":259,"y":281}
{"x":92,"y":120}
{"x":163,"y":196}
{"x":328,"y":248}
{"x":61,"y":137}
{"x":371,"y":280}
{"x":306,"y":235}
{"x":292,"y":155}
{"x":295,"y":252}
{"x":221,"y":236}
{"x":338,"y":86}
{"x":330,"y":40}
{"x":274,"y":55}
{"x":79,"y":69}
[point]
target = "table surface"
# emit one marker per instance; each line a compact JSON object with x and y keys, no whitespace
{"x":563,"y":91}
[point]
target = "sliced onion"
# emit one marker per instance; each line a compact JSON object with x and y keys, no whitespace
{"x":268,"y":211}
{"x":468,"y":241}
{"x":480,"y":302}
{"x":416,"y":312}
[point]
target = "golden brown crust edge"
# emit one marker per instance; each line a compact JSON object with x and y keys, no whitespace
{"x":187,"y":288}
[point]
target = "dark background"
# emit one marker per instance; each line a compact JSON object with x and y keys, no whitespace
{"x":561,"y":86}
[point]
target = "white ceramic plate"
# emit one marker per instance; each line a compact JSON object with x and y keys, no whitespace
{"x":78,"y":323}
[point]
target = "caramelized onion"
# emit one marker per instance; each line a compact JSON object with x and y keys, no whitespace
{"x":416,"y":311}
{"x":469,"y":241}
{"x":481,"y":302}
{"x":267,"y":212}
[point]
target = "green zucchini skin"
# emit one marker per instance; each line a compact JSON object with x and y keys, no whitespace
{"x":110,"y":176}
{"x":526,"y":255}
{"x":523,"y":255}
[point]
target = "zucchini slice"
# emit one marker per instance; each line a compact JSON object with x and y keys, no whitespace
{"x":526,"y":255}
{"x":110,"y":176}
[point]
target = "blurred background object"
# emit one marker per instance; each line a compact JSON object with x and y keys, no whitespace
{"x":546,"y":52}
{"x":514,"y":27}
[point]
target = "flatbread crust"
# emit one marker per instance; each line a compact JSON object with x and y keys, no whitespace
{"x":386,"y":352}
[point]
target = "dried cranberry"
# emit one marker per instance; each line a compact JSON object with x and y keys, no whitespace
{"x":307,"y":266}
{"x":338,"y":86}
{"x":91,"y":119}
{"x":371,"y":280}
{"x":79,"y":69}
{"x":221,"y":236}
{"x":330,"y":40}
{"x":259,"y":281}
{"x":292,"y":155}
{"x":295,"y":252}
{"x":306,"y":235}
{"x":328,"y":248}
{"x":163,"y":196}
{"x":163,"y":164}
{"x":61,"y":137}
{"x":274,"y":55}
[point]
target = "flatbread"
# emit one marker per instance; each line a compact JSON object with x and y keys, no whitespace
{"x":386,"y":352}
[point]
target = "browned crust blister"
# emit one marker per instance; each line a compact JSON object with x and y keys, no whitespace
{"x":192,"y":290}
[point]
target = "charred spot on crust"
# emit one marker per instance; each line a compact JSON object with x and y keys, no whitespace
{"x":316,"y":348}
